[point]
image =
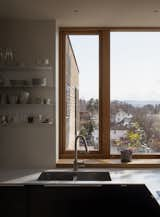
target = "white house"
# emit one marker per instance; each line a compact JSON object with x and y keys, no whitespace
{"x":123,"y":116}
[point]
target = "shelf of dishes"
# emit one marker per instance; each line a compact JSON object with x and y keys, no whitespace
{"x":23,"y":97}
{"x":28,"y":104}
{"x":25,"y":118}
{"x":26,"y":125}
{"x":33,"y":82}
{"x":19,"y":68}
{"x":24,"y":87}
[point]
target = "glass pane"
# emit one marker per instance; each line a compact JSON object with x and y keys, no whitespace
{"x":82,"y":90}
{"x":135,"y":92}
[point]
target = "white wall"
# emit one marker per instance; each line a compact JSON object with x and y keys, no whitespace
{"x":23,"y":146}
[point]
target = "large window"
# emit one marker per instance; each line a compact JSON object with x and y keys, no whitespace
{"x":135,"y":92}
{"x":109,"y":92}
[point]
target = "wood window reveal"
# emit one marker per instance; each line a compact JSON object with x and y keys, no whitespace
{"x":71,"y":94}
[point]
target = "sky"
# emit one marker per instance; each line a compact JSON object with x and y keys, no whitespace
{"x":86,"y":49}
{"x":135,"y":65}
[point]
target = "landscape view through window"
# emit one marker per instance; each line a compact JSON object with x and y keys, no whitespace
{"x":135,"y":92}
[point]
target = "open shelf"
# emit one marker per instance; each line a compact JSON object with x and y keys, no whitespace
{"x":26,"y":125}
{"x":24,"y":68}
{"x":32,"y":86}
{"x":27,"y":104}
{"x":39,"y":92}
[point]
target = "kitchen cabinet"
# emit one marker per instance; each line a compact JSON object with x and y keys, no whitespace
{"x":13,"y":201}
{"x":109,"y":200}
{"x":91,"y":201}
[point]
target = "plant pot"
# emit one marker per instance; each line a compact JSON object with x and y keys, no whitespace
{"x":126,"y":155}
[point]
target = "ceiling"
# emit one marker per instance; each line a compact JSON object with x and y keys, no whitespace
{"x":112,"y":13}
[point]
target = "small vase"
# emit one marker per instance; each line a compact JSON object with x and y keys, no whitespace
{"x":126,"y":155}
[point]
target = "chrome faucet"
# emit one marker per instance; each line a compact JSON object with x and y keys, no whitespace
{"x":75,"y":163}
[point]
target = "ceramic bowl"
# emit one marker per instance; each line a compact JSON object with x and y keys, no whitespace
{"x":39,"y":82}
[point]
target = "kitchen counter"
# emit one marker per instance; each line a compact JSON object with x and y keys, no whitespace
{"x":149,"y":177}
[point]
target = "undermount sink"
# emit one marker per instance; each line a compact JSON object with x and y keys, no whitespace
{"x":74,"y":176}
{"x":93,"y":176}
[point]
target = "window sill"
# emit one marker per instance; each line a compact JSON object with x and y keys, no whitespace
{"x":111,"y":163}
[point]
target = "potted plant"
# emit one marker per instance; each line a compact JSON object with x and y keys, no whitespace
{"x":132,"y":143}
{"x":126,"y":155}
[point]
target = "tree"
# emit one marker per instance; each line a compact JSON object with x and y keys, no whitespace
{"x":89,"y":127}
{"x":92,"y":105}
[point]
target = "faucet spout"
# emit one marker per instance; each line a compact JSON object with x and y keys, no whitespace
{"x":75,"y":163}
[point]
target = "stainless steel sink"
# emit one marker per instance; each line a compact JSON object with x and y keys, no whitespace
{"x":93,"y":176}
{"x":74,"y":176}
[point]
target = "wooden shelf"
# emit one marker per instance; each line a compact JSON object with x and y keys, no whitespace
{"x":111,"y":163}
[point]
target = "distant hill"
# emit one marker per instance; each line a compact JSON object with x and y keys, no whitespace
{"x":139,"y":103}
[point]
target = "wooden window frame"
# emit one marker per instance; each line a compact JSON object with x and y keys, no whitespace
{"x":104,"y":91}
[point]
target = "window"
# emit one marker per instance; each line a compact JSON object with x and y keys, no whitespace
{"x":109,"y":93}
{"x":135,"y":95}
{"x":82,"y":100}
{"x":80,"y":92}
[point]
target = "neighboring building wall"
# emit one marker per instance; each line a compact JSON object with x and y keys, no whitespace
{"x":72,"y":93}
{"x":84,"y":114}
